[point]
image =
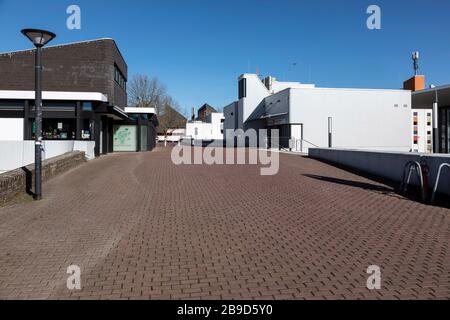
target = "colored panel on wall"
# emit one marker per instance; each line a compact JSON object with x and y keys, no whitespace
{"x":125,"y":138}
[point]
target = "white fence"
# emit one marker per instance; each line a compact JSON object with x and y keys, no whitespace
{"x":17,"y":154}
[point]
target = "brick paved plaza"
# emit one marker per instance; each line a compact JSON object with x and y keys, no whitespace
{"x":141,"y":227}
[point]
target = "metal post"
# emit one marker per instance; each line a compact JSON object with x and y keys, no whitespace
{"x":330,"y":132}
{"x":38,"y":119}
{"x":436,"y":124}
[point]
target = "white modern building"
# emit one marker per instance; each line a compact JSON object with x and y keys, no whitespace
{"x":208,"y":130}
{"x":368,"y":119}
{"x":172,"y":135}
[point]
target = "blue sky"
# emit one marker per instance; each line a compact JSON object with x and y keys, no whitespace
{"x":198,"y":48}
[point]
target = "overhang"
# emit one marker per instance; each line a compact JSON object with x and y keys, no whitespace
{"x":140,"y":110}
{"x":53,"y":95}
{"x":424,"y":99}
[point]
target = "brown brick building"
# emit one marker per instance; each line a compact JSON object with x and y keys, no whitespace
{"x":84,"y":96}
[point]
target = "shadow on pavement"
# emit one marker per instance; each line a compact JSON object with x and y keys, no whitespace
{"x":355,"y":184}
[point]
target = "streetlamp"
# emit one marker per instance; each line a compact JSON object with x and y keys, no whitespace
{"x":39,"y":38}
{"x":330,"y":132}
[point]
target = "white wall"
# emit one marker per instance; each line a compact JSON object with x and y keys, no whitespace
{"x":278,"y":86}
{"x":256,"y":92}
{"x":199,"y":130}
{"x":387,"y":165}
{"x":11,"y":129}
{"x":217,"y":126}
{"x":17,"y":154}
{"x":210,"y":130}
{"x":362,"y":118}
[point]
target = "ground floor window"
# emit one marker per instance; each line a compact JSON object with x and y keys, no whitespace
{"x":87,"y":129}
{"x":56,"y":129}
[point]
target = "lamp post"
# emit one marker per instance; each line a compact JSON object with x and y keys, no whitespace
{"x":39,"y":38}
{"x":330,"y":132}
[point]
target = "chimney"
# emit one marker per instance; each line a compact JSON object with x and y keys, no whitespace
{"x":415,"y":83}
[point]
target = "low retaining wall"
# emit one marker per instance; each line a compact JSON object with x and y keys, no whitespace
{"x":388,"y":165}
{"x":17,"y":154}
{"x":22,"y":180}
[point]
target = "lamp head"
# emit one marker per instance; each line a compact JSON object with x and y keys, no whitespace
{"x":38,"y":37}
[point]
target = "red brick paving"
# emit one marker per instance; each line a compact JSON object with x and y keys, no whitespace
{"x":140,"y":227}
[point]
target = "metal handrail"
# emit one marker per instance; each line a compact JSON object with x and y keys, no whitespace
{"x":310,"y":143}
{"x":404,"y":185}
{"x":442,"y":166}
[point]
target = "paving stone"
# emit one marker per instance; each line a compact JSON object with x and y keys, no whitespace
{"x":141,"y":227}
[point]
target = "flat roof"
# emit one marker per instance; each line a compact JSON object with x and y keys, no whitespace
{"x":67,"y":44}
{"x":424,"y":99}
{"x":140,"y":110}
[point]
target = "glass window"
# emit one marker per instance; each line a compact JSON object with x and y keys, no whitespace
{"x":86,"y":131}
{"x":12,"y":105}
{"x":87,"y":106}
{"x":242,"y":88}
{"x":57,"y":129}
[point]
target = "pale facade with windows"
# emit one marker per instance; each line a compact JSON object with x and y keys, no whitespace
{"x":211,"y":129}
{"x":368,"y":119}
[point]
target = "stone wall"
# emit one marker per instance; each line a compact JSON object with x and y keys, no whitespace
{"x":21,"y":180}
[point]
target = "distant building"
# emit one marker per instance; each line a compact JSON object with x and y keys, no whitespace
{"x":423,"y":101}
{"x":208,"y":126}
{"x":172,"y":125}
{"x":422,"y":118}
{"x":204,"y":111}
{"x":369,"y":119}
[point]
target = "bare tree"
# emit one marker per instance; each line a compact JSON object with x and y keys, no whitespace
{"x":144,"y":92}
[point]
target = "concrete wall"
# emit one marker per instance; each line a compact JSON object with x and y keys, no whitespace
{"x":20,"y":180}
{"x":388,"y":165}
{"x":210,"y":130}
{"x":11,"y":129}
{"x":17,"y":154}
{"x":362,"y":118}
{"x":231,"y":116}
{"x":256,"y":92}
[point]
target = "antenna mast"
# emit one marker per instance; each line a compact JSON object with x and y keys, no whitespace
{"x":415,"y":57}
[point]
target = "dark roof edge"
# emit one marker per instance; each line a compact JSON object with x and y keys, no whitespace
{"x":68,"y":44}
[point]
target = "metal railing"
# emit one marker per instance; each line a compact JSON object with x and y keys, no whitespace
{"x":438,"y":177}
{"x":407,"y":172}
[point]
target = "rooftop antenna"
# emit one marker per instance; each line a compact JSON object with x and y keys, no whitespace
{"x":415,"y":57}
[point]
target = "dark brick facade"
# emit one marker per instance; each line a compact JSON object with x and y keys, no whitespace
{"x":79,"y":67}
{"x":21,"y":180}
